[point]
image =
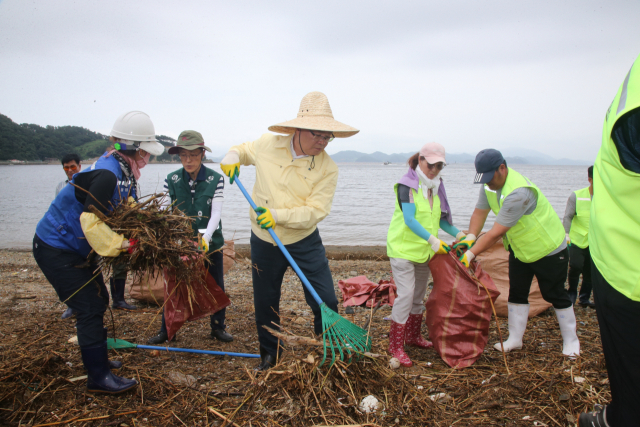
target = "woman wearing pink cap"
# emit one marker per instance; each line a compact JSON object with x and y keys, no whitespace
{"x":421,"y":210}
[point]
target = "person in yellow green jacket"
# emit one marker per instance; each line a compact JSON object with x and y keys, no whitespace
{"x":421,"y":209}
{"x":576,"y":227}
{"x":295,"y":183}
{"x":70,"y":230}
{"x":533,"y":235}
{"x":614,"y":242}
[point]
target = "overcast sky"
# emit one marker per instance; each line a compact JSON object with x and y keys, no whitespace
{"x":468,"y":74}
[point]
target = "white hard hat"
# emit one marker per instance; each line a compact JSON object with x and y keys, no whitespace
{"x":137,"y":126}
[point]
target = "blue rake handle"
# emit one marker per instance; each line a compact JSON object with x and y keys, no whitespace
{"x":189,"y":350}
{"x":284,"y":250}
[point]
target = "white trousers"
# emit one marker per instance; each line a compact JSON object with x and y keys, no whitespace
{"x":411,"y":278}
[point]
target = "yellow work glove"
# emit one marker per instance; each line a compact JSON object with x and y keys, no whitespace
{"x":438,"y":246}
{"x":465,"y":243}
{"x":466,"y":258}
{"x":230,"y":165}
{"x":204,"y":244}
{"x":266,"y":218}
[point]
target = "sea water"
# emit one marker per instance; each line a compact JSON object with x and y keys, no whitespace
{"x":360,"y":214}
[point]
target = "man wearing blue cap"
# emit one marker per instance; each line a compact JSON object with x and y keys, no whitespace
{"x":534,"y":236}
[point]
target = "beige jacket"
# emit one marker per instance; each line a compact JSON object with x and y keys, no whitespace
{"x":301,"y":197}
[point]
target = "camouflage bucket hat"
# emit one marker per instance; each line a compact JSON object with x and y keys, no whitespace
{"x":189,"y":140}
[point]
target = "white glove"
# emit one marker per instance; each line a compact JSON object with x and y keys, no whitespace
{"x":230,"y":158}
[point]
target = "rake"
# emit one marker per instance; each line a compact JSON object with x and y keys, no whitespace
{"x":339,"y":335}
{"x":117,"y":344}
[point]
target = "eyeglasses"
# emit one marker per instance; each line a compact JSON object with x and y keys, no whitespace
{"x":437,"y":166}
{"x":70,"y":168}
{"x":322,"y":137}
{"x":190,"y":156}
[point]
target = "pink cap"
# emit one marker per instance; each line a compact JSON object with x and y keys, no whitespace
{"x":433,"y":153}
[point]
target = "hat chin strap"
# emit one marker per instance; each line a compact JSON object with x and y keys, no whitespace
{"x":313,"y":158}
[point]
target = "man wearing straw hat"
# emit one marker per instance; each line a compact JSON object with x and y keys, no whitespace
{"x":295,"y":183}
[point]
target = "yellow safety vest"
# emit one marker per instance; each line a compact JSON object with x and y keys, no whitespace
{"x":614,"y":232}
{"x":404,"y":243}
{"x":535,"y":235}
{"x":579,"y":232}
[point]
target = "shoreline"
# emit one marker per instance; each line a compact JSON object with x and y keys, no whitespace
{"x":334,"y":252}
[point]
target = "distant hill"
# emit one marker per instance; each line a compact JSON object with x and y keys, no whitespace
{"x":33,"y":142}
{"x":512,"y":156}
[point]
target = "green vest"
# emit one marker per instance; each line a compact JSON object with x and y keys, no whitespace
{"x":198,"y":206}
{"x":404,"y":243}
{"x":535,"y":235}
{"x":614,"y":232}
{"x":579,"y":232}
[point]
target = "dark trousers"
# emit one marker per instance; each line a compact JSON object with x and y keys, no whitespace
{"x":618,"y":318}
{"x":269,"y":266}
{"x":90,"y":303}
{"x":215,"y":267}
{"x":551,"y":272}
{"x":580,"y":263}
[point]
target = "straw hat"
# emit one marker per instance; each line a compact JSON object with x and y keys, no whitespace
{"x":315,"y":114}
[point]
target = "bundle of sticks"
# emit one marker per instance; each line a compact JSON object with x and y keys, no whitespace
{"x":164,"y":238}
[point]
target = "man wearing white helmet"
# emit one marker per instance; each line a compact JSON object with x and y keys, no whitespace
{"x":70,"y":230}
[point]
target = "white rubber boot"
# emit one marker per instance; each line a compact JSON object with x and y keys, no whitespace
{"x":518,"y":316}
{"x":567,"y":321}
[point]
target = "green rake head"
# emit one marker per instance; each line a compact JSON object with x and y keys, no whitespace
{"x":118,"y":344}
{"x":341,"y":336}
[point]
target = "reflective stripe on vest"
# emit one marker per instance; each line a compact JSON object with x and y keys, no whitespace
{"x":404,"y":243}
{"x":614,"y":232}
{"x":535,"y":235}
{"x":579,"y":232}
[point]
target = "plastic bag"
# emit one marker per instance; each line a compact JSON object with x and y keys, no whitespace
{"x":458,"y":310}
{"x":208,"y":299}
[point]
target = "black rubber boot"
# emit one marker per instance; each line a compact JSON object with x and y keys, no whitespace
{"x":117,"y":295}
{"x":267,"y":361}
{"x":597,"y":418}
{"x":100,"y":379}
{"x":221,"y":335}
{"x":162,"y":336}
{"x":68,"y":313}
{"x":113,"y":364}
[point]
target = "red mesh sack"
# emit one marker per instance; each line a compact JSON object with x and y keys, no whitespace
{"x":458,"y":310}
{"x":208,"y":299}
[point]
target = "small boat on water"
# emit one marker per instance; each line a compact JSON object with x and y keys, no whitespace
{"x":386,"y":163}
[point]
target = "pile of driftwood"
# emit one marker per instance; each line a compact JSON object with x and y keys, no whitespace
{"x":164,"y":239}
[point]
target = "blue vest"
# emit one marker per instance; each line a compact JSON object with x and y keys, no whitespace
{"x":60,"y":226}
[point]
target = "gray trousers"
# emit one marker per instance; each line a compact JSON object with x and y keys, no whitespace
{"x":411,"y":278}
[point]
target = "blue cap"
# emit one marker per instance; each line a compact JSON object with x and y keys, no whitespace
{"x":487,"y":162}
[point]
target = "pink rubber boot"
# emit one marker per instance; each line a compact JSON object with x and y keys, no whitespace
{"x":412,"y":332}
{"x":396,"y":344}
